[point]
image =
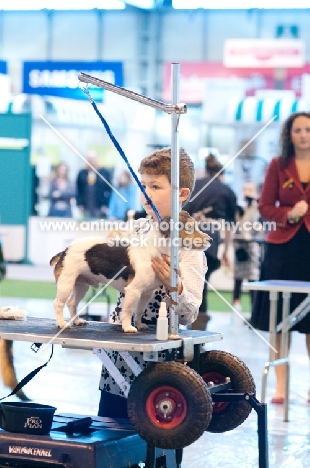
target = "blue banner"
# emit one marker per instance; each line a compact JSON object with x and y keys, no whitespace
{"x":61,"y":78}
{"x":3,"y":68}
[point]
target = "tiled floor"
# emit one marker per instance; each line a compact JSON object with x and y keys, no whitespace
{"x":70,"y":382}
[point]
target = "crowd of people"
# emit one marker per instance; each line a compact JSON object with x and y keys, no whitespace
{"x":94,"y":193}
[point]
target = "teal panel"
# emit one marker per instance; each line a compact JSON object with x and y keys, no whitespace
{"x":15,"y":171}
{"x":15,"y":125}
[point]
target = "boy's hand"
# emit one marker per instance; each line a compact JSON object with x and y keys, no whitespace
{"x":161,"y":266}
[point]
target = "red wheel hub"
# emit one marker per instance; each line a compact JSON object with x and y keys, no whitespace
{"x":166,"y":407}
{"x":216,"y":378}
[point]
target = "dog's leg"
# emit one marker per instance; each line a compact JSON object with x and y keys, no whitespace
{"x":65,"y":285}
{"x":79,"y":291}
{"x":143,"y":302}
{"x":132,"y":296}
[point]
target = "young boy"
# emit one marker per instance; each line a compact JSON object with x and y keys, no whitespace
{"x":155,"y":171}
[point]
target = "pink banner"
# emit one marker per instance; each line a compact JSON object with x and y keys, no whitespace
{"x":195,"y":75}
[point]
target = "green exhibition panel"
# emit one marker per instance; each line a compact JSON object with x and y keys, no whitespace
{"x":15,"y":183}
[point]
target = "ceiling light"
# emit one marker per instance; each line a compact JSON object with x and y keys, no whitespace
{"x":62,"y":5}
{"x":146,"y":4}
{"x":238,"y":4}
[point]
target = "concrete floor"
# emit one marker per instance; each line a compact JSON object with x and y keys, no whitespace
{"x":70,"y":382}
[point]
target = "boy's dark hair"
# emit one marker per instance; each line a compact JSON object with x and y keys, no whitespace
{"x":159,"y":163}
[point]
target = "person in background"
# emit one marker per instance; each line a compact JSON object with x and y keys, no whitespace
{"x":2,"y":263}
{"x":118,"y":207}
{"x":61,"y":192}
{"x":211,"y":202}
{"x":285,"y":199}
{"x":93,"y":189}
{"x":35,"y":190}
{"x":246,"y":247}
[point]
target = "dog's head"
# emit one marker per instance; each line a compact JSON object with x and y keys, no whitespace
{"x":191,"y":237}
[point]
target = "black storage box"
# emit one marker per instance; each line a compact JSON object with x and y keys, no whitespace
{"x":109,"y":443}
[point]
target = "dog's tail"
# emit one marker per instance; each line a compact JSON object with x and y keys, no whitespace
{"x":55,"y":259}
{"x":58,"y":260}
{"x":7,"y":368}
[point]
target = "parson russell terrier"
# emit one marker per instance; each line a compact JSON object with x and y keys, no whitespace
{"x":92,"y":261}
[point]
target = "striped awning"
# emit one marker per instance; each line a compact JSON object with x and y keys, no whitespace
{"x":252,"y":110}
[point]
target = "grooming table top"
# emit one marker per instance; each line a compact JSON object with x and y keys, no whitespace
{"x":97,"y":335}
{"x":278,"y":286}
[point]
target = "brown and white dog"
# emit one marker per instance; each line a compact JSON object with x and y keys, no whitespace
{"x":92,"y":261}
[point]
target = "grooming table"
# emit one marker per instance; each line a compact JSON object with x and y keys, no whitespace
{"x":286,"y":287}
{"x":99,"y":335}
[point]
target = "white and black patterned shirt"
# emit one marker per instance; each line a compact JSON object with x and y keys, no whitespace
{"x":188,"y":306}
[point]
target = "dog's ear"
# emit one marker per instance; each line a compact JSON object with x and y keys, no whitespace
{"x":185,"y":217}
{"x":188,"y":221}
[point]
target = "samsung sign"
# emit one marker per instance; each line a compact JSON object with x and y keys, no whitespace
{"x":3,"y":69}
{"x":61,"y":78}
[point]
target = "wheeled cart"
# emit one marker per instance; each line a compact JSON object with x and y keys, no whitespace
{"x":170,"y":403}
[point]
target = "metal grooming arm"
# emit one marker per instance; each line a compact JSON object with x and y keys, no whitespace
{"x":175,"y":109}
{"x":168,"y":108}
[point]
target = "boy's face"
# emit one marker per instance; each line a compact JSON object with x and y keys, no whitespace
{"x":158,"y":189}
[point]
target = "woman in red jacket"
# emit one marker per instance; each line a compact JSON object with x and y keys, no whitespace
{"x":285,"y":199}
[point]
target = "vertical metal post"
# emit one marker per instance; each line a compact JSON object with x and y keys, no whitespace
{"x":273,"y":297}
{"x":262,"y":431}
{"x":284,"y":351}
{"x":99,"y":33}
{"x":50,"y":37}
{"x":175,"y":158}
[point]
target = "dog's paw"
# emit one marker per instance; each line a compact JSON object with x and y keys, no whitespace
{"x":79,"y":322}
{"x":141,"y":326}
{"x":130,"y":329}
{"x":63,"y":324}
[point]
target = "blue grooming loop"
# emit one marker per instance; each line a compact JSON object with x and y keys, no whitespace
{"x":175,"y":110}
{"x":121,"y":152}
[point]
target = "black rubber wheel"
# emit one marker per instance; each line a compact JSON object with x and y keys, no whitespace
{"x":216,"y":366}
{"x":169,"y":405}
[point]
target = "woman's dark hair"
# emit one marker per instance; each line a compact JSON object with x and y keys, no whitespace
{"x":212,"y":165}
{"x":287,"y":147}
